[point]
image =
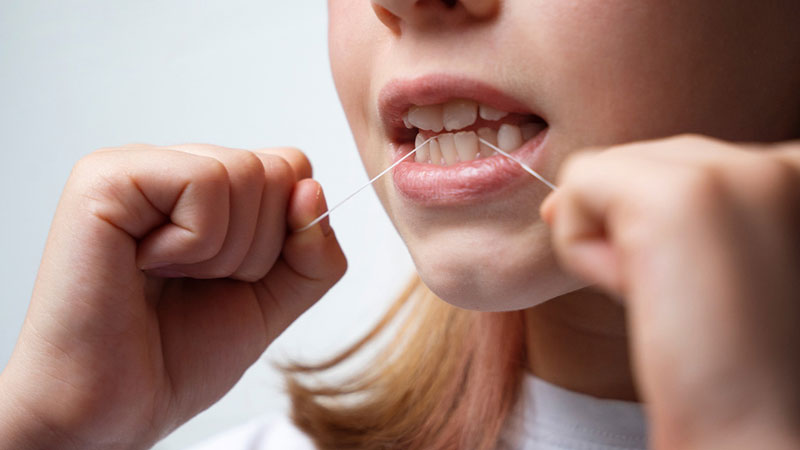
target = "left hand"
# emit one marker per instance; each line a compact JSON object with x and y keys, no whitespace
{"x":701,"y":240}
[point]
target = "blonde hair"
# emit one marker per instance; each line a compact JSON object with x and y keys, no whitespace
{"x":448,"y":379}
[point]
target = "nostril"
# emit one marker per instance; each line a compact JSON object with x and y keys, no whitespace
{"x":481,"y":9}
{"x":390,"y":20}
{"x":394,"y":13}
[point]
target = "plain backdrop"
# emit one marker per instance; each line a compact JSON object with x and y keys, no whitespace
{"x":77,"y":75}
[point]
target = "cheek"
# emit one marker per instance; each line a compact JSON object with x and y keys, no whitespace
{"x":604,"y":64}
{"x":353,"y":36}
{"x":623,"y":70}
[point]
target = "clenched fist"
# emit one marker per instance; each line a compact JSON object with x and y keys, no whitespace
{"x":167,"y":272}
{"x":699,"y":238}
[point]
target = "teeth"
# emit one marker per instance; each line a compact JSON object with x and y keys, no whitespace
{"x":529,"y":130}
{"x":509,"y":138}
{"x":466,"y":145}
{"x":426,"y":117}
{"x":489,"y":113}
{"x":462,"y":146}
{"x":453,"y":115}
{"x":489,"y":135}
{"x":435,"y":152}
{"x":458,"y":114}
{"x":423,"y":154}
{"x":448,"y":147}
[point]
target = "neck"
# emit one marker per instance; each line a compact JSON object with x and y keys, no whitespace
{"x":579,"y":342}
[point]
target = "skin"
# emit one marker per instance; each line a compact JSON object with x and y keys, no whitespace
{"x":708,"y":77}
{"x":695,"y":236}
{"x":115,"y":355}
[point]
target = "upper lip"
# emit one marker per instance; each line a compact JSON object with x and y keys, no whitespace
{"x":399,"y":95}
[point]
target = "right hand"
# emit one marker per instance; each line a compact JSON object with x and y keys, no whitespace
{"x":114,"y":354}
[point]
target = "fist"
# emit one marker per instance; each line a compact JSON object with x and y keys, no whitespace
{"x":166,"y":273}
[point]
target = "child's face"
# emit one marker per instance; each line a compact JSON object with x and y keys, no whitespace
{"x":597,"y":72}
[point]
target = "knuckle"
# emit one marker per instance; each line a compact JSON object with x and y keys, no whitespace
{"x":278,"y":172}
{"x":197,"y":148}
{"x":694,"y":189}
{"x":92,"y":172}
{"x":215,"y":173}
{"x":775,"y":172}
{"x":87,"y":163}
{"x":773,"y":181}
{"x":250,"y":167}
{"x":298,"y":160}
{"x":687,"y":139}
{"x":574,"y":165}
{"x":700,"y":183}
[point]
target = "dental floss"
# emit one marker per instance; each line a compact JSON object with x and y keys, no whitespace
{"x":523,"y":165}
{"x":330,"y":210}
{"x":385,"y":171}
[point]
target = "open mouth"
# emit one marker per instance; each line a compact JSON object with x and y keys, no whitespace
{"x":456,"y":126}
{"x":454,"y":167}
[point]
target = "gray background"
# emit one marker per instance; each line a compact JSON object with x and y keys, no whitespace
{"x":79,"y":75}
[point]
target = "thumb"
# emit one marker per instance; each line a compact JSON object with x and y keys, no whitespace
{"x":311,"y":261}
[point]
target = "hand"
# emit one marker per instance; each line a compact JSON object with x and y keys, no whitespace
{"x":112,"y":355}
{"x":701,"y":241}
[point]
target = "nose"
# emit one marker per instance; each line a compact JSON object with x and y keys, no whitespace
{"x":395,"y":13}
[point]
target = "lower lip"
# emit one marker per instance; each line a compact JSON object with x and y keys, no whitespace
{"x":464,"y":183}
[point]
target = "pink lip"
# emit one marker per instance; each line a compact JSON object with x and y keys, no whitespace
{"x":463,"y":183}
{"x":398,"y":95}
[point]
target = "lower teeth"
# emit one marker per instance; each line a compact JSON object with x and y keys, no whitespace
{"x":451,"y":148}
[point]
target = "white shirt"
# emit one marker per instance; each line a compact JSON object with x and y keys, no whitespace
{"x":546,"y":418}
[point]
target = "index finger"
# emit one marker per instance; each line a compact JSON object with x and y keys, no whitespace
{"x":296,"y":159}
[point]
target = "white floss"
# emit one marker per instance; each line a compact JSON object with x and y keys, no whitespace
{"x":385,"y":171}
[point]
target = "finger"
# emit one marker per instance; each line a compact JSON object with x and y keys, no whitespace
{"x":311,"y":262}
{"x":581,"y":241}
{"x":246,"y":175}
{"x":593,"y":199}
{"x":265,"y":247}
{"x":173,"y":203}
{"x":547,"y":208}
{"x":296,"y":159}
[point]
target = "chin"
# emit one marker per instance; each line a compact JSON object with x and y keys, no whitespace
{"x":472,"y":271}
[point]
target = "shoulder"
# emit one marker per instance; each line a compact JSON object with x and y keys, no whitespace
{"x":263,"y":433}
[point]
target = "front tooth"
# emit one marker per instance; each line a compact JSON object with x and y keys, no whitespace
{"x":489,"y":113}
{"x":459,"y":114}
{"x":509,"y":138}
{"x":426,"y":117}
{"x":422,"y":155}
{"x":448,"y":147}
{"x":435,"y":151}
{"x":490,"y":135}
{"x":466,"y":145}
{"x":406,"y":122}
{"x":530,"y":130}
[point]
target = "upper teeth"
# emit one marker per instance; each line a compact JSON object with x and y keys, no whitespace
{"x":453,"y":115}
{"x":451,"y":148}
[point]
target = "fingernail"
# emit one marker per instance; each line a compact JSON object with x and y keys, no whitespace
{"x":547,"y":209}
{"x":322,"y":206}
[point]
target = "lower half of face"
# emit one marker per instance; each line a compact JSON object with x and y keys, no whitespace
{"x":540,"y":79}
